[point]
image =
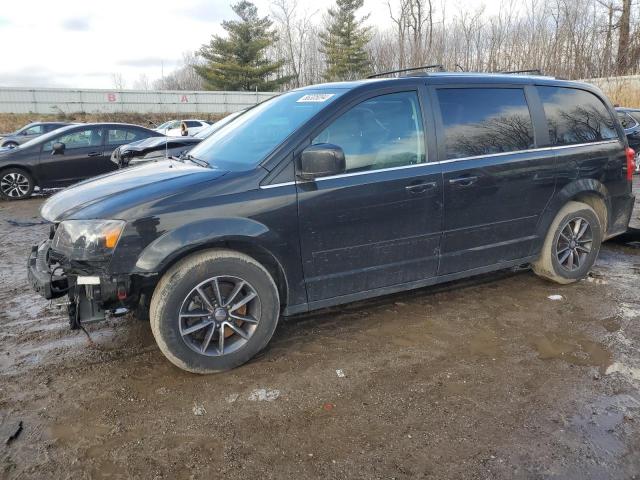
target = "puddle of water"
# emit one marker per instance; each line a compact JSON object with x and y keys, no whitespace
{"x":485,"y":343}
{"x":573,"y":349}
{"x":599,"y":421}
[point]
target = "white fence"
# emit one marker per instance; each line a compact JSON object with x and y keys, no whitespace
{"x":62,"y":100}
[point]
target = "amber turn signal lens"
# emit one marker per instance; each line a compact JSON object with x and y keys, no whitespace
{"x":111,"y":238}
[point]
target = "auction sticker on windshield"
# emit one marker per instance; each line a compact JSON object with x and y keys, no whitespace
{"x":315,"y":97}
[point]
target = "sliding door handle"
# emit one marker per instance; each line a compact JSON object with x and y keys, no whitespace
{"x":463,"y":181}
{"x":94,"y":154}
{"x":420,"y":187}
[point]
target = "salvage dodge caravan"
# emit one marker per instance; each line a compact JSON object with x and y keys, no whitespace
{"x":341,"y":192}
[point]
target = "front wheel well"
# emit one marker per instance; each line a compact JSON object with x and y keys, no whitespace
{"x":598,"y":203}
{"x":19,"y":167}
{"x":259,"y":254}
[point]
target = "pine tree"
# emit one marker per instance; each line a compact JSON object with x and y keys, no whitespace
{"x":344,"y":40}
{"x":239,"y":62}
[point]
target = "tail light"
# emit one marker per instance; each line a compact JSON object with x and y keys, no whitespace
{"x":631,"y":164}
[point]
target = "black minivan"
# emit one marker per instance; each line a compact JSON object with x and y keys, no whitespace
{"x":340,"y":192}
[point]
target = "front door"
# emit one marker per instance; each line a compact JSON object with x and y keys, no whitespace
{"x":83,"y":157}
{"x":495,"y":186}
{"x":379,"y":224}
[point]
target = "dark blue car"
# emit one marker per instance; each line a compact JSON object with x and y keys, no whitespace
{"x":630,"y":121}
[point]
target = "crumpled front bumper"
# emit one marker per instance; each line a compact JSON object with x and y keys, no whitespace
{"x":84,"y":302}
{"x":47,"y":283}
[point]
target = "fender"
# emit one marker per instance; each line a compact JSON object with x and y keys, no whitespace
{"x":29,"y":169}
{"x":193,"y":236}
{"x":567,"y":193}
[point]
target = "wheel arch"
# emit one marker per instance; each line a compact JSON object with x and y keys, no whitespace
{"x":19,"y":166}
{"x":24,"y":168}
{"x":586,"y":190}
{"x":242,"y":245}
{"x":239,"y":234}
{"x":599,"y":204}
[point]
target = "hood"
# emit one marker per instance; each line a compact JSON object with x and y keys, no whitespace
{"x":107,"y":195}
{"x":155,"y":142}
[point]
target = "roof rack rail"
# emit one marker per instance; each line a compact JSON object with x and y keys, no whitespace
{"x":535,"y":71}
{"x":413,"y":69}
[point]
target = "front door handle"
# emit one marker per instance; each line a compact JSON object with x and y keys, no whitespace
{"x":94,"y":154}
{"x":420,"y":187}
{"x":463,"y":181}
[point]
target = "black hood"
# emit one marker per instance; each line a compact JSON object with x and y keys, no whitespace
{"x":105,"y":196}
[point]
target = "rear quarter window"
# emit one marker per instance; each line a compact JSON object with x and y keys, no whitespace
{"x":576,"y":116}
{"x":626,"y":120}
{"x":484,"y":121}
{"x":635,"y":116}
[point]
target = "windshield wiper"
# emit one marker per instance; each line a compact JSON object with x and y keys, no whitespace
{"x":197,"y":161}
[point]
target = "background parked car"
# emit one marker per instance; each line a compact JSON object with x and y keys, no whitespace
{"x":172,"y":127}
{"x":630,"y":120}
{"x":156,"y":148}
{"x":63,"y":157}
{"x":29,"y":132}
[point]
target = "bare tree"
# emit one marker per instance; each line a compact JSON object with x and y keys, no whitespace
{"x":294,"y":29}
{"x":118,"y":81}
{"x":142,"y":83}
{"x":184,"y":77}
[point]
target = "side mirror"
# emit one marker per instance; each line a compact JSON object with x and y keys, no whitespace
{"x":58,"y":148}
{"x":321,"y":160}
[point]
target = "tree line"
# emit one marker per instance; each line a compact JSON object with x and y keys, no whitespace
{"x":290,"y":47}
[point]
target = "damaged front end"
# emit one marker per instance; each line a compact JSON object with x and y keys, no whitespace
{"x":74,"y":267}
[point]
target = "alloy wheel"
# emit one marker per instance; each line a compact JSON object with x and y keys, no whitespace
{"x":574,"y":243}
{"x":14,"y":185}
{"x":219,"y":315}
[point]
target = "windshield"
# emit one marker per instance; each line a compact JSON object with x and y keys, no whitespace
{"x":164,"y":125}
{"x":218,"y":125}
{"x":252,"y":136}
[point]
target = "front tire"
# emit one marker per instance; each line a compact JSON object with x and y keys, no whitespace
{"x":15,"y":184}
{"x":214,"y":311}
{"x":10,"y":145}
{"x":571,"y":246}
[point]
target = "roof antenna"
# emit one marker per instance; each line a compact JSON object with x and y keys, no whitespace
{"x":460,"y":67}
{"x":166,"y":147}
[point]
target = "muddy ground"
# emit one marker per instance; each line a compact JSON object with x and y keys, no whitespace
{"x":478,"y":379}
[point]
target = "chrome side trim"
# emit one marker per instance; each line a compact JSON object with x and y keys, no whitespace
{"x":501,"y":154}
{"x":276,"y":185}
{"x":541,"y":149}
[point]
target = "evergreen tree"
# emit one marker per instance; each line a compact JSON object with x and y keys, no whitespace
{"x":239,"y":62}
{"x":344,"y":40}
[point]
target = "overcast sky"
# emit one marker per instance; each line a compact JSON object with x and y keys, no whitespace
{"x":81,"y":43}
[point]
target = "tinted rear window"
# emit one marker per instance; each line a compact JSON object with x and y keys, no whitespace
{"x":576,"y":116}
{"x":482,"y":121}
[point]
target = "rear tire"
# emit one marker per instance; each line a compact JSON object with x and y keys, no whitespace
{"x":214,"y":311}
{"x":15,"y":184}
{"x":571,"y":246}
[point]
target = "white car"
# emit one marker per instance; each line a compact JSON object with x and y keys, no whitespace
{"x":172,"y":127}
